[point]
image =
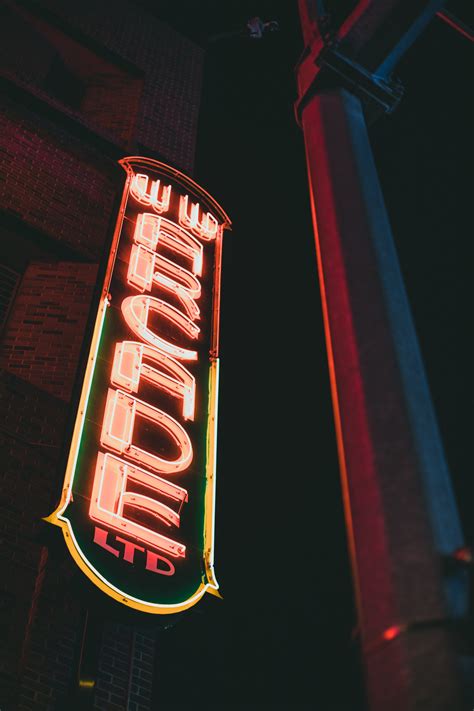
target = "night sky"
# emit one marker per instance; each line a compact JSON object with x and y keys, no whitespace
{"x":283,"y":635}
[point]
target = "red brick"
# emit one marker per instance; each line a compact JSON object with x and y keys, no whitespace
{"x":51,"y":362}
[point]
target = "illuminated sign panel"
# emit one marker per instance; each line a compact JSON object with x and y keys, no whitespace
{"x":137,"y":507}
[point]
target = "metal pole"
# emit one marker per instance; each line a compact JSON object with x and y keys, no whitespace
{"x":393,"y":472}
{"x":456,"y":24}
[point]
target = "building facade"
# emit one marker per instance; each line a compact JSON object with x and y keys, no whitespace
{"x":83,"y":85}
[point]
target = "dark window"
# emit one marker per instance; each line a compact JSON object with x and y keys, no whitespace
{"x":63,"y":84}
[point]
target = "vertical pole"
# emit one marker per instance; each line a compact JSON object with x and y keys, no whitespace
{"x":398,"y":502}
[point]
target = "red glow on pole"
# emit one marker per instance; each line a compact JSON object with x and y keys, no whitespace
{"x":392,"y":632}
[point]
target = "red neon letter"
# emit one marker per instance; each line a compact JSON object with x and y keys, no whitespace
{"x":151,"y":230}
{"x":139,"y":190}
{"x":206,"y":227}
{"x":128,"y":369}
{"x":100,"y":537}
{"x":147,"y":268}
{"x":136,"y":310}
{"x":109,"y":498}
{"x":147,"y":230}
{"x":121,"y":411}
{"x":152,"y":564}
{"x":130,"y":548}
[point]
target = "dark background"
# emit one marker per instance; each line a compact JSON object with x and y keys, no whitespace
{"x":283,"y":635}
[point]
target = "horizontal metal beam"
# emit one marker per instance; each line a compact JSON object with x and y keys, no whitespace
{"x":377,"y":33}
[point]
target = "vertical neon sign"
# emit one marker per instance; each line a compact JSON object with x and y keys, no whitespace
{"x":137,"y":505}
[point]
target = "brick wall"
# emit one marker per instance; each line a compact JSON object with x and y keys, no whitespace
{"x":125,"y":672}
{"x":105,"y":92}
{"x":16,"y":39}
{"x":31,"y":429}
{"x":172,"y":65}
{"x":97,"y":90}
{"x":52,"y":639}
{"x":45,"y":330}
{"x":52,"y":181}
{"x":59,"y":181}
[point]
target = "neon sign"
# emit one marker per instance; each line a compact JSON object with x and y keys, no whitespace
{"x":137,"y":505}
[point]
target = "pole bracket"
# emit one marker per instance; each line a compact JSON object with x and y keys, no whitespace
{"x":332,"y":69}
